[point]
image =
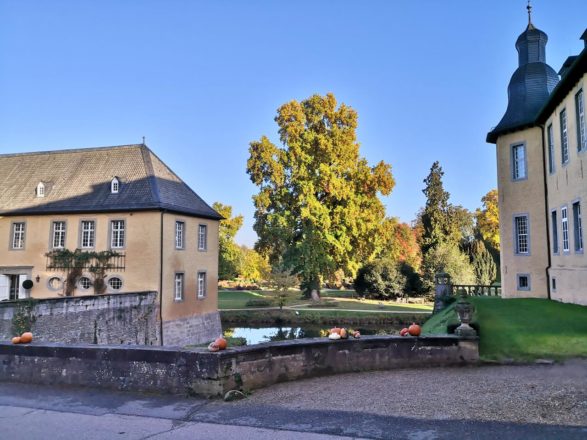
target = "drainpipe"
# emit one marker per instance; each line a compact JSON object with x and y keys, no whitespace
{"x":161,"y":279}
{"x":547,"y":214}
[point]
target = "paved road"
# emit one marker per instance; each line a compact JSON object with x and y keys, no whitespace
{"x":34,"y":412}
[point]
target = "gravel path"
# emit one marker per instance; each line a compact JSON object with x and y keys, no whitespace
{"x":547,"y":394}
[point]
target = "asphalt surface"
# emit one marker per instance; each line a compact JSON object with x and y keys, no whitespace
{"x":38,"y":412}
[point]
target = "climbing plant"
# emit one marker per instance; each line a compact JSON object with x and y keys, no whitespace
{"x":97,"y":263}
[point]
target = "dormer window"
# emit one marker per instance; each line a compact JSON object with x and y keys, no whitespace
{"x":115,"y":186}
{"x":41,"y":189}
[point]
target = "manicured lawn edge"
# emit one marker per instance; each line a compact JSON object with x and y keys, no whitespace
{"x":522,"y":329}
{"x":322,"y":317}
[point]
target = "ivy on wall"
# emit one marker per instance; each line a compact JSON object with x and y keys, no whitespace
{"x":96,"y":263}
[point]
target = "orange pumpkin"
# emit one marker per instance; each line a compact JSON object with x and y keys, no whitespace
{"x":16,"y":340}
{"x":335,"y":330}
{"x":343,"y":333}
{"x":404,"y":332}
{"x":414,"y":329}
{"x":221,"y":342}
{"x":26,"y":337}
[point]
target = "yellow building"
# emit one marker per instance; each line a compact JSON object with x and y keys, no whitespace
{"x":124,"y":200}
{"x":542,"y":165}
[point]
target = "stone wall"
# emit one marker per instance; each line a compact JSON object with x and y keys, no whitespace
{"x":125,"y":318}
{"x":192,"y":330}
{"x":167,"y":370}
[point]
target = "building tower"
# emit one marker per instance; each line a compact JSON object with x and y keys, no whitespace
{"x":520,"y":167}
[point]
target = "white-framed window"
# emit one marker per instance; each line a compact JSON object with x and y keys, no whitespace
{"x":179,"y":234}
{"x":519,"y":162}
{"x":522,"y":234}
{"x":523,"y":281}
{"x":201,"y":285}
{"x":202,"y":237}
{"x":41,"y":189}
{"x":55,"y":283}
{"x":84,"y":283}
{"x":18,"y":229}
{"x":58,"y":241}
{"x":115,"y":283}
{"x":88,"y":235}
{"x":115,"y":186}
{"x":117,"y":232}
{"x":565,"y":228}
{"x":564,"y":137}
{"x":554,"y":227}
{"x":580,"y":112}
{"x":550,"y":135}
{"x":577,"y":227}
{"x":178,"y":287}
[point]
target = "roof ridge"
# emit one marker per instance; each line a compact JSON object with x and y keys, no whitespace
{"x":146,"y":153}
{"x":71,"y":150}
{"x":182,"y":181}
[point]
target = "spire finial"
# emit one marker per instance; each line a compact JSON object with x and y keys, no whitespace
{"x":143,"y":140}
{"x":529,"y":8}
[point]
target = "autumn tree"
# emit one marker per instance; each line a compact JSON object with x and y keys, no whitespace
{"x":402,"y":245}
{"x":229,"y":251}
{"x":318,"y":208}
{"x":488,"y":219}
{"x":252,"y":266}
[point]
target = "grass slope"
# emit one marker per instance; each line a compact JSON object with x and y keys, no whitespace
{"x":523,"y":329}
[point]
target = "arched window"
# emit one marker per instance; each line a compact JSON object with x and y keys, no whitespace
{"x":115,"y":186}
{"x":41,"y":189}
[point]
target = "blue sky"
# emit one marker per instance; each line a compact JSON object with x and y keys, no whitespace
{"x":201,"y":79}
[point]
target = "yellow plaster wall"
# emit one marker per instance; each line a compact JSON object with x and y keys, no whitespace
{"x":522,"y":197}
{"x":141,"y":248}
{"x":566,"y":185}
{"x":189,"y":261}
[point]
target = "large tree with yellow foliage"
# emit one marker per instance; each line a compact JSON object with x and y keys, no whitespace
{"x":318,"y":208}
{"x":488,"y":219}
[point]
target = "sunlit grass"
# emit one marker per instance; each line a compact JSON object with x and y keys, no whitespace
{"x":523,"y":329}
{"x":348,"y":300}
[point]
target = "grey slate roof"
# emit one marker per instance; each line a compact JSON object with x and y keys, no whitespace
{"x":79,"y":181}
{"x":530,"y":85}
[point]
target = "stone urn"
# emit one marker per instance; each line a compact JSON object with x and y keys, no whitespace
{"x":465,"y":312}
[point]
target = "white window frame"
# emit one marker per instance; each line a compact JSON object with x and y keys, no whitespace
{"x":41,"y":189}
{"x":564,"y":137}
{"x":519,"y":162}
{"x":577,"y":227}
{"x":201,"y":284}
{"x":117,"y":234}
{"x":178,"y":286}
{"x":88,"y":234}
{"x":115,"y":186}
{"x":112,"y":289}
{"x":18,"y":235}
{"x":179,"y":234}
{"x":202,"y":237}
{"x":521,"y":237}
{"x":565,"y":229}
{"x":58,"y":239}
{"x":80,"y":286}
{"x":580,"y":111}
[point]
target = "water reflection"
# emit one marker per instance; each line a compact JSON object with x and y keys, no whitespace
{"x":257,"y":335}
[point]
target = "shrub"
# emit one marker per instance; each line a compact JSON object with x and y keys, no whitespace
{"x":258,"y":303}
{"x":385,"y":279}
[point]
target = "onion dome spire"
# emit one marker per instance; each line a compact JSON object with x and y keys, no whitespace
{"x":531,"y":83}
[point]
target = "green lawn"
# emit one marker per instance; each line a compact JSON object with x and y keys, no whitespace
{"x":523,"y":329}
{"x":337,"y":299}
